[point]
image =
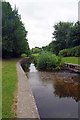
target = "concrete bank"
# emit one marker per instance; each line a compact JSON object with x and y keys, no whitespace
{"x":72,"y":67}
{"x":26,"y":106}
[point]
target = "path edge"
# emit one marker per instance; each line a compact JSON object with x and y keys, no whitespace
{"x":26,"y":105}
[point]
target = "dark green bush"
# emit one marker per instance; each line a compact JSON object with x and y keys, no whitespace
{"x":75,"y":51}
{"x":48,"y":61}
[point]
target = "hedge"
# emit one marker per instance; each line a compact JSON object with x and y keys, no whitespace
{"x":75,"y":51}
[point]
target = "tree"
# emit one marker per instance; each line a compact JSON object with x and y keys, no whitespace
{"x":74,"y":39}
{"x":61,"y":35}
{"x":14,"y":33}
{"x":65,"y":35}
{"x":36,"y":50}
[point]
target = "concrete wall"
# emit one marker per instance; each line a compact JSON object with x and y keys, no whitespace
{"x":26,"y":105}
{"x":72,"y":67}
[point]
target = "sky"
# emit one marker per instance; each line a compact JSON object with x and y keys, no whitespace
{"x":39,"y":17}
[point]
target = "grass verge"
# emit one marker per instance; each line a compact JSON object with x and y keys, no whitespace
{"x":9,"y":86}
{"x":0,"y":89}
{"x":73,"y":60}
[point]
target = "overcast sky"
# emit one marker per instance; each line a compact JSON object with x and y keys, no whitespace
{"x":39,"y":17}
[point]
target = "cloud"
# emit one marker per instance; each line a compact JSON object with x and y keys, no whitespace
{"x":39,"y":16}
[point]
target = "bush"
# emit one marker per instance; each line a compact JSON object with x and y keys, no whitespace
{"x":34,"y":58}
{"x":48,"y":61}
{"x":23,"y":55}
{"x":75,"y":51}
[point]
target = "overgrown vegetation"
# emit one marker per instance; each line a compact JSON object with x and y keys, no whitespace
{"x":47,"y":61}
{"x":75,"y":51}
{"x":9,"y":87}
{"x":14,"y":33}
{"x":35,"y":58}
{"x":36,"y":50}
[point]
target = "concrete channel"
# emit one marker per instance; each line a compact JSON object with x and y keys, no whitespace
{"x":26,"y":105}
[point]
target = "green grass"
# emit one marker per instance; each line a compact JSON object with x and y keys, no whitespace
{"x":9,"y":86}
{"x":0,"y":89}
{"x":73,"y":60}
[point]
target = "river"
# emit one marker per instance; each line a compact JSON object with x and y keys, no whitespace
{"x":56,"y":93}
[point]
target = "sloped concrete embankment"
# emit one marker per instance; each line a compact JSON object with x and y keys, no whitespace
{"x":26,"y":106}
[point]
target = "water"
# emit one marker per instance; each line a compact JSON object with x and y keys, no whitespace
{"x":56,"y":94}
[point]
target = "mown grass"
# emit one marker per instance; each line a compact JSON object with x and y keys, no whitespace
{"x":73,"y":60}
{"x":0,"y":89}
{"x":9,"y":86}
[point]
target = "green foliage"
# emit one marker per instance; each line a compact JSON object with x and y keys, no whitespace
{"x":23,"y":55}
{"x":61,"y":35}
{"x":48,"y":61}
{"x":74,"y":38}
{"x":14,"y":33}
{"x":49,"y":47}
{"x":35,"y":58}
{"x":75,"y":51}
{"x":36,"y":50}
{"x":66,"y":35}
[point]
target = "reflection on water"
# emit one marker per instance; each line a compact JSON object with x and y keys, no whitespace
{"x":65,"y":84}
{"x":32,"y":68}
{"x":56,"y":94}
{"x":67,"y":89}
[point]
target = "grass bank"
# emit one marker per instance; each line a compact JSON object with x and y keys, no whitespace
{"x":9,"y":83}
{"x":0,"y":89}
{"x":73,"y":60}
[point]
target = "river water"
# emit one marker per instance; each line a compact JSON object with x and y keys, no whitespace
{"x":56,"y":93}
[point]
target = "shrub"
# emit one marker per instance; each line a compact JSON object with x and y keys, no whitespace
{"x":34,"y":58}
{"x":75,"y":51}
{"x":48,"y":61}
{"x":23,"y":55}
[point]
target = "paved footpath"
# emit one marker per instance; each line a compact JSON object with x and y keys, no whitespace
{"x":26,"y":106}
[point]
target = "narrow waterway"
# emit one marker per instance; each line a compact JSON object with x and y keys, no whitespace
{"x":56,"y":93}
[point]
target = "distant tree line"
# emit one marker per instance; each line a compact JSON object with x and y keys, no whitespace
{"x":14,"y":41}
{"x":65,"y":35}
{"x":36,"y":50}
